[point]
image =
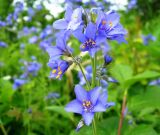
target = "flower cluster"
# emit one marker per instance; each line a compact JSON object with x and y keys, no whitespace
{"x":29,"y":69}
{"x":93,"y":29}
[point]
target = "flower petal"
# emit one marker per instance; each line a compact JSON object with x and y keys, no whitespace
{"x":53,"y":51}
{"x":81,"y":94}
{"x":99,"y":107}
{"x":79,"y":35}
{"x":74,"y":106}
{"x":60,"y":24}
{"x":91,"y":31}
{"x":94,"y":94}
{"x":109,"y":104}
{"x":68,"y":13}
{"x":88,"y":118}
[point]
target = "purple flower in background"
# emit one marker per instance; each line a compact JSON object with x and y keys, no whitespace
{"x":3,"y":44}
{"x":60,"y":49}
{"x":2,"y":24}
{"x":46,"y":32}
{"x":109,"y":26}
{"x":18,"y":83}
{"x":90,"y":41}
{"x":31,"y":13}
{"x":132,"y":4}
{"x":33,"y":40}
{"x":59,"y":67}
{"x":39,"y":7}
{"x":52,"y":95}
{"x":33,"y":67}
{"x":87,"y":103}
{"x":9,"y":19}
{"x":72,"y":20}
{"x":147,"y":38}
{"x":45,"y":44}
{"x":155,"y":82}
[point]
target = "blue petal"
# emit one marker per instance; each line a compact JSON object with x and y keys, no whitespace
{"x":68,"y":13}
{"x":81,"y":94}
{"x":53,"y":51}
{"x":79,"y":35}
{"x":88,"y":118}
{"x":103,"y":97}
{"x":99,"y":107}
{"x":91,"y":31}
{"x":93,"y":51}
{"x":60,"y":24}
{"x":74,"y":106}
{"x":94,"y":94}
{"x":60,"y":43}
{"x":109,"y":104}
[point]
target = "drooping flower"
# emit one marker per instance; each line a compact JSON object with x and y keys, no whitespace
{"x":71,"y":21}
{"x":90,"y":41}
{"x":60,"y":49}
{"x":87,"y":103}
{"x":59,"y":67}
{"x":110,"y":27}
{"x":18,"y":83}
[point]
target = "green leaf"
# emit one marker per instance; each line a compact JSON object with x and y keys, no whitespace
{"x":60,"y":110}
{"x":122,"y":72}
{"x":142,"y":76}
{"x":148,"y":99}
{"x":141,"y":130}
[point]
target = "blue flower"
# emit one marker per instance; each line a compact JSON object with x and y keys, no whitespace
{"x":33,"y":40}
{"x":18,"y":83}
{"x":107,"y":59}
{"x":2,"y":24}
{"x":72,"y":20}
{"x":45,"y":44}
{"x":87,"y":103}
{"x":147,"y":38}
{"x":132,"y":4}
{"x":109,"y":26}
{"x":90,"y":41}
{"x":60,"y":49}
{"x":52,"y":95}
{"x":155,"y":82}
{"x":3,"y":44}
{"x":59,"y":67}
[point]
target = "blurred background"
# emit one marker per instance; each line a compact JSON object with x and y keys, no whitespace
{"x":33,"y":104}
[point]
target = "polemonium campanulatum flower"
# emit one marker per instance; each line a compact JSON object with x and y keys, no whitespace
{"x":3,"y":44}
{"x":59,"y":67}
{"x":72,"y":20}
{"x":90,"y":41}
{"x":18,"y":83}
{"x":60,"y":49}
{"x":109,"y":26}
{"x":107,"y":59}
{"x":147,"y":38}
{"x":87,"y":103}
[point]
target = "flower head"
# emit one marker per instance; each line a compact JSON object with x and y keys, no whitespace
{"x":87,"y":103}
{"x":90,"y":41}
{"x":60,"y":49}
{"x":109,"y":26}
{"x":147,"y":38}
{"x":71,"y":21}
{"x":107,"y":59}
{"x":59,"y":67}
{"x":3,"y":44}
{"x":18,"y":83}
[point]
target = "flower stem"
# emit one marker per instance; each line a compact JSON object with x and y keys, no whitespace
{"x":88,"y":85}
{"x":3,"y":130}
{"x":94,"y":127}
{"x":94,"y":60}
{"x":122,"y":112}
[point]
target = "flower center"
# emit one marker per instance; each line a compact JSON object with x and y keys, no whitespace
{"x":90,"y":43}
{"x":57,"y":71}
{"x":87,"y":106}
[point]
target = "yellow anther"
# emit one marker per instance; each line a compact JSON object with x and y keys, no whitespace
{"x":83,"y":46}
{"x":59,"y":68}
{"x":57,"y":76}
{"x":104,"y":22}
{"x":60,"y":72}
{"x":110,"y":24}
{"x":54,"y":71}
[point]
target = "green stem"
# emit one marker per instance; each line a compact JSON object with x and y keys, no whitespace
{"x":88,"y":85}
{"x":94,"y":127}
{"x":94,"y":60}
{"x":3,"y":130}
